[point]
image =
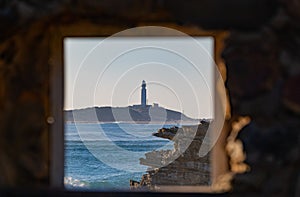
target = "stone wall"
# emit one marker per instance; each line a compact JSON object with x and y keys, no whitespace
{"x":263,"y":73}
{"x":263,"y":80}
{"x":24,"y":98}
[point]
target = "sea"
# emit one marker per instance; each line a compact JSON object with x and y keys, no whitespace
{"x":105,"y":156}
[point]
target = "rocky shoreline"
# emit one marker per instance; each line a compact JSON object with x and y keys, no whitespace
{"x":167,"y":133}
{"x":180,"y":166}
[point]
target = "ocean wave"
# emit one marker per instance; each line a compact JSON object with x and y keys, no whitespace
{"x":118,"y":140}
{"x":106,"y":182}
{"x":70,"y":182}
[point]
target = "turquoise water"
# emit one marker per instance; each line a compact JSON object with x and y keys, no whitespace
{"x":106,"y":156}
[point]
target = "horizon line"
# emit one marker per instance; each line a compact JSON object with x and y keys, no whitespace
{"x":86,"y":107}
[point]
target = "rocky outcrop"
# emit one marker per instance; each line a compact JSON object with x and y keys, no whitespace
{"x":168,"y":133}
{"x":180,"y":166}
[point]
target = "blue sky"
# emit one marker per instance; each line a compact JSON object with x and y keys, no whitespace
{"x":109,"y":72}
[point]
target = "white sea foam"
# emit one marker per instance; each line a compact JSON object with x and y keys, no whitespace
{"x":71,"y":182}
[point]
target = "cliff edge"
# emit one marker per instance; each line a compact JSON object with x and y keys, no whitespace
{"x":180,"y":166}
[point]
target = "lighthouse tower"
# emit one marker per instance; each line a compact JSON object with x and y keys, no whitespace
{"x":143,"y":94}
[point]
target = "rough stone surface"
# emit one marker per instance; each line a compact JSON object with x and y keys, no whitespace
{"x":24,"y":79}
{"x":263,"y":82}
{"x":168,"y":133}
{"x":291,"y":93}
{"x":182,"y":165}
{"x":263,"y":68}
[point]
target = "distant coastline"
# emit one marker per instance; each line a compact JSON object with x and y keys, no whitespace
{"x":132,"y":114}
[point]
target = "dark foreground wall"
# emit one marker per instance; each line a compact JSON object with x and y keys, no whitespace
{"x":263,"y":80}
{"x":263,"y":77}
